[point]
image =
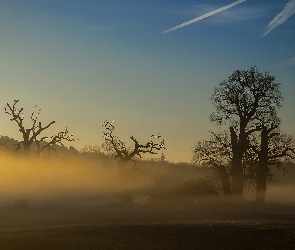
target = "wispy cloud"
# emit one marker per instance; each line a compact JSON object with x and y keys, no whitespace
{"x":204,"y":16}
{"x":243,"y":13}
{"x":282,"y":17}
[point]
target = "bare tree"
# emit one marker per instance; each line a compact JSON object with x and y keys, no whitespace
{"x":31,"y":135}
{"x":271,"y":147}
{"x":117,"y":149}
{"x":241,"y":99}
{"x":48,"y":142}
{"x":215,"y":153}
{"x":268,"y":146}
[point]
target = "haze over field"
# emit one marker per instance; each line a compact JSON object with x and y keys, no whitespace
{"x":83,"y":62}
{"x":147,"y":124}
{"x":82,"y":181}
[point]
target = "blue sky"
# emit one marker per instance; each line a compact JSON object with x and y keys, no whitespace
{"x":83,"y":62}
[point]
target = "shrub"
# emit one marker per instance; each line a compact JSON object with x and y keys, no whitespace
{"x":191,"y":191}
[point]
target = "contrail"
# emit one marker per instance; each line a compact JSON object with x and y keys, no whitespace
{"x":204,"y":16}
{"x":282,"y":17}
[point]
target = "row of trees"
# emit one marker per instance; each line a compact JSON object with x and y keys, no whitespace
{"x":247,"y":102}
{"x":113,"y":146}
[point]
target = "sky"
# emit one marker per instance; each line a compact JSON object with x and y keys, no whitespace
{"x":84,"y":62}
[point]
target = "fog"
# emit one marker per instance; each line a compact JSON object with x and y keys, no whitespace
{"x":72,"y":181}
{"x":281,"y":193}
{"x":80,"y":181}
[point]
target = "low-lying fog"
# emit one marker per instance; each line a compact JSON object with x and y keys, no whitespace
{"x":82,"y":182}
{"x":59,"y":181}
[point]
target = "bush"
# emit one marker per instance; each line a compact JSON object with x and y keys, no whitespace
{"x":191,"y":191}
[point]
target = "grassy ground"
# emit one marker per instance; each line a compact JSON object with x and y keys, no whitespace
{"x":149,"y":227}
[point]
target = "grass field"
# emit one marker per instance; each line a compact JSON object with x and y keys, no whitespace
{"x":149,"y":227}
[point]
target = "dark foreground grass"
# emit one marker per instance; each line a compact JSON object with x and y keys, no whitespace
{"x":177,"y":236}
{"x":152,"y":228}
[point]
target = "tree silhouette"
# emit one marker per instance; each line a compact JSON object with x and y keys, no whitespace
{"x":267,"y":147}
{"x":117,"y":149}
{"x":270,"y":147}
{"x":31,"y":135}
{"x":241,"y":100}
{"x":48,"y":142}
{"x":215,"y":153}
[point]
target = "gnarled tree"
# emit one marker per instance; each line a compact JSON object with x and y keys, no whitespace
{"x":117,"y":149}
{"x":240,"y":100}
{"x":31,"y":135}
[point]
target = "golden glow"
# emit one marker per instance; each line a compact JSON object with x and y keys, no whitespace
{"x":42,"y":180}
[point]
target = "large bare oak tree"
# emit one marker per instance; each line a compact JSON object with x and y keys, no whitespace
{"x":240,"y":101}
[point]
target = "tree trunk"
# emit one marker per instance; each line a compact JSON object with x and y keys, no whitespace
{"x":126,"y":194}
{"x":26,"y":142}
{"x":225,"y":181}
{"x":238,"y":179}
{"x":237,"y":168}
{"x":261,"y":188}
